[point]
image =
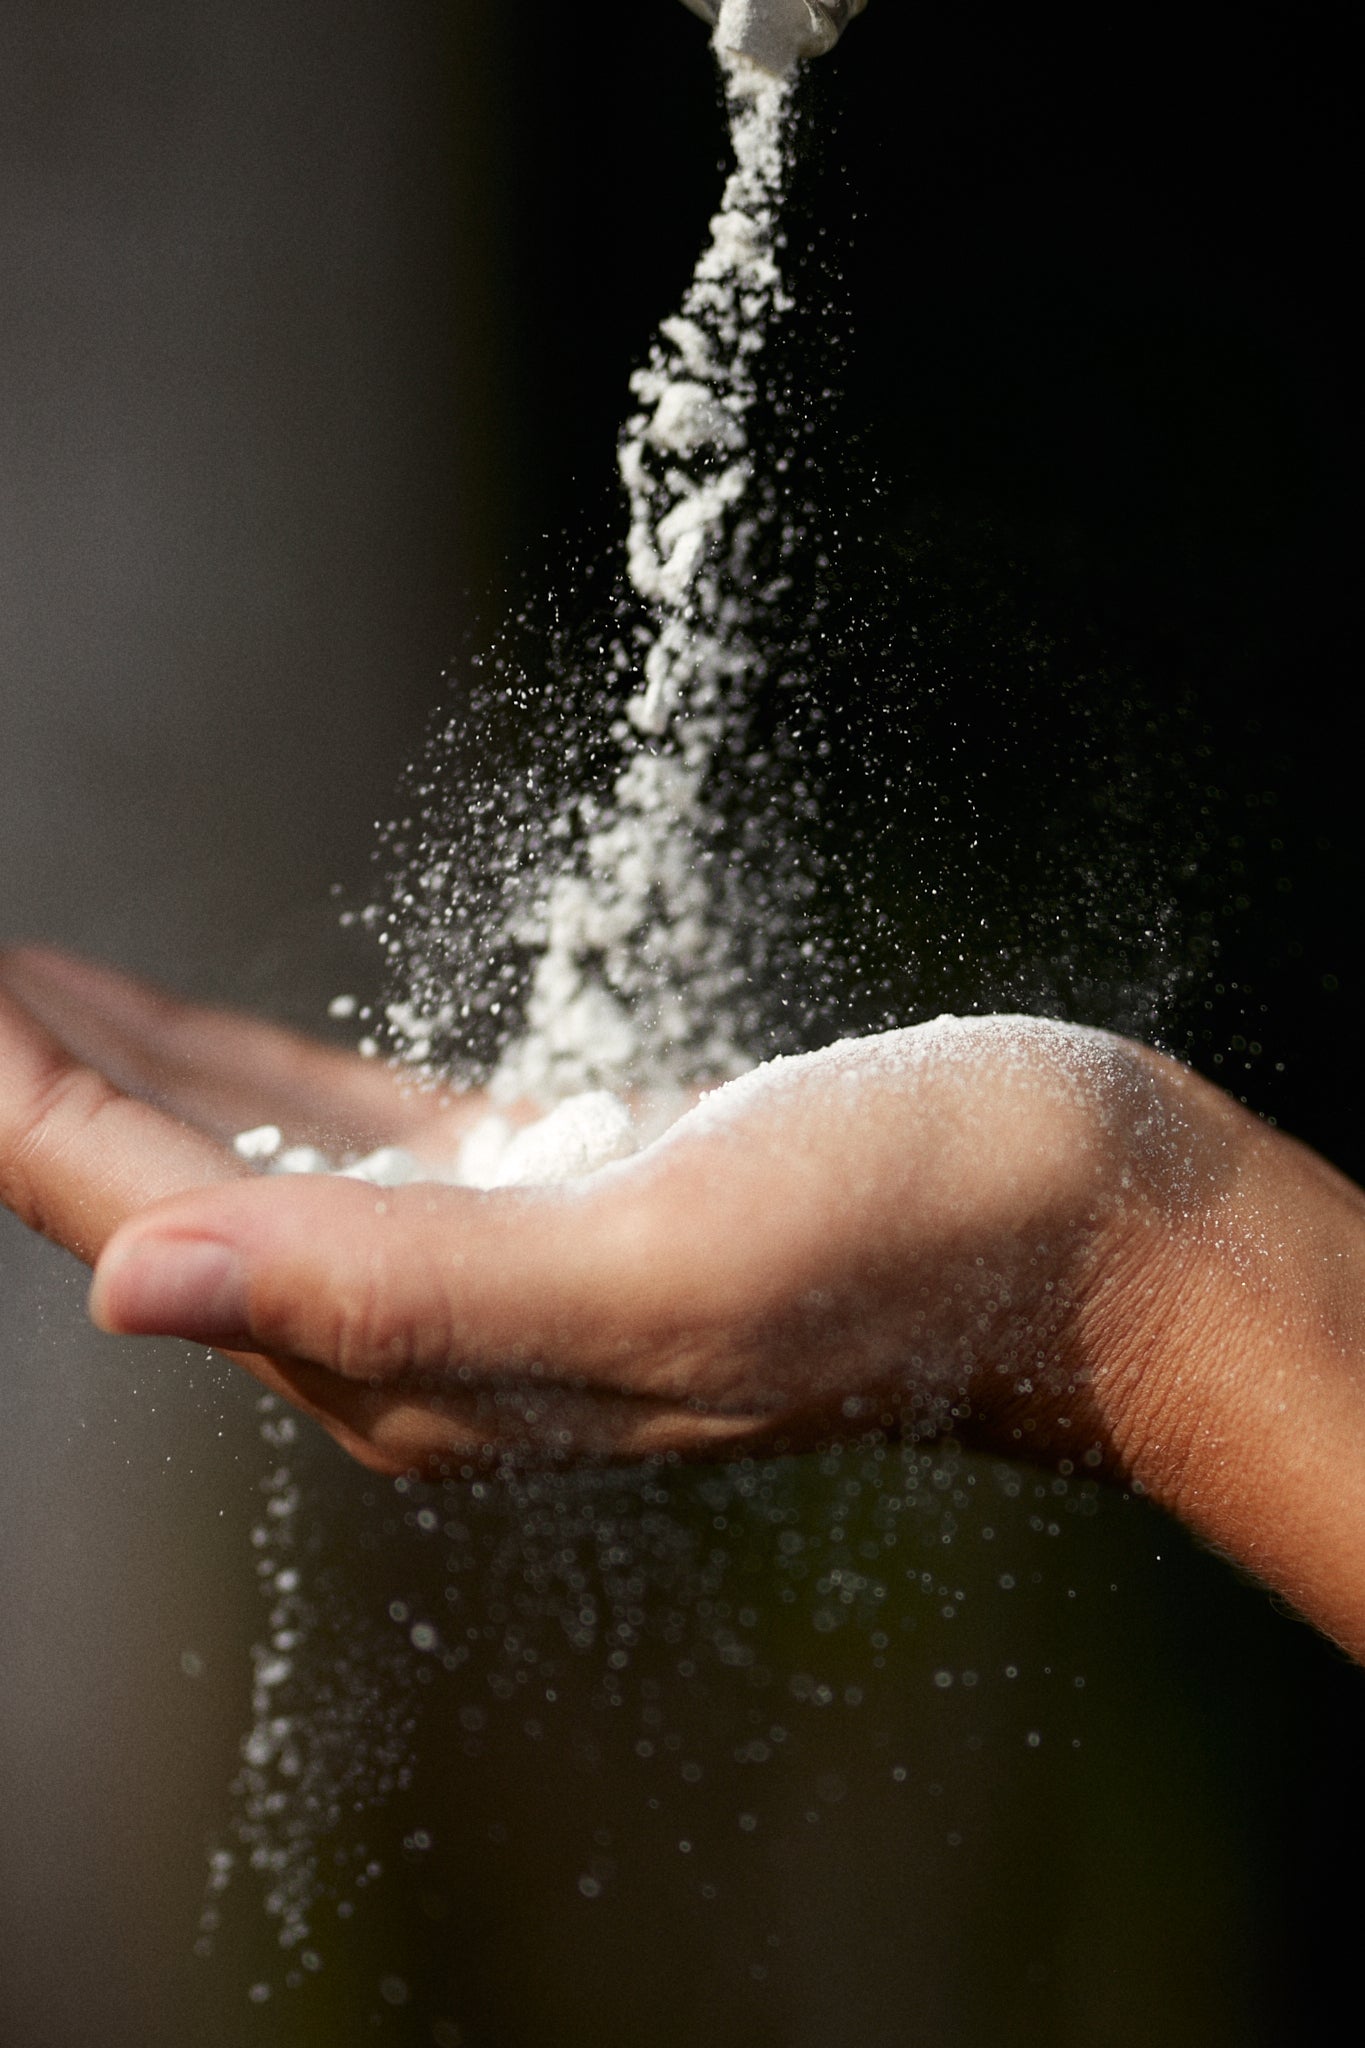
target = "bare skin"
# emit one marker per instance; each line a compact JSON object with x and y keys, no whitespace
{"x":1060,"y":1243}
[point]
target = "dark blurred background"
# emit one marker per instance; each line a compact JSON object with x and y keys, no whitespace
{"x":313,"y":339}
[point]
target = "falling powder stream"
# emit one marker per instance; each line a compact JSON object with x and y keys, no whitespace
{"x":643,"y":935}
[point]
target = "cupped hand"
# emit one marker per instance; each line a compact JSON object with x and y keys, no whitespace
{"x":1052,"y":1240}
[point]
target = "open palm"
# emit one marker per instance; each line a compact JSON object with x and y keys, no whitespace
{"x":1052,"y":1240}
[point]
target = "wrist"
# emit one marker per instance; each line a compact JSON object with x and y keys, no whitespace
{"x":1226,"y":1349}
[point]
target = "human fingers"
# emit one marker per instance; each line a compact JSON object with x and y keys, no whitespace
{"x":440,"y":1425}
{"x":751,"y":1261}
{"x":212,"y":1067}
{"x":376,"y":1284}
{"x":425,"y":1323}
{"x":77,"y":1157}
{"x":882,"y":1226}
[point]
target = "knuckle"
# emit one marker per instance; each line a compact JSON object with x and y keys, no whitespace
{"x":386,"y":1461}
{"x":365,"y":1324}
{"x":407,"y":1437}
{"x":62,"y":1103}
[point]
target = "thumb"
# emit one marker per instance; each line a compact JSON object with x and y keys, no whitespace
{"x":376,"y":1283}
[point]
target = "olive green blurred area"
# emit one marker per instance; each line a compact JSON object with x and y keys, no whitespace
{"x":313,"y":340}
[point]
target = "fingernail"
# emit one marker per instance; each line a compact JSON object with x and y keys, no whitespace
{"x":173,"y":1287}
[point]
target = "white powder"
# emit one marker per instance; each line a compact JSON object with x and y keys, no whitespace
{"x":583,"y":1133}
{"x":637,"y":932}
{"x":634,"y":927}
{"x":1087,"y":1059}
{"x":635,"y":936}
{"x":576,"y":1137}
{"x":588,"y":1131}
{"x":775,"y":34}
{"x":258,"y":1145}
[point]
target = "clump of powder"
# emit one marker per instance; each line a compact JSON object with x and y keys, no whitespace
{"x":580,"y":1134}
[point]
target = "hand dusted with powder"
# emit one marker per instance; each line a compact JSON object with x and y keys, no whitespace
{"x":1049,"y":1239}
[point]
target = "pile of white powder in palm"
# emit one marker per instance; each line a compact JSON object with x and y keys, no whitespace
{"x":578,"y":1135}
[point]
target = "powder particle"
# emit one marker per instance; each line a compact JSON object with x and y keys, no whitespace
{"x":576,"y":1137}
{"x":258,"y":1145}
